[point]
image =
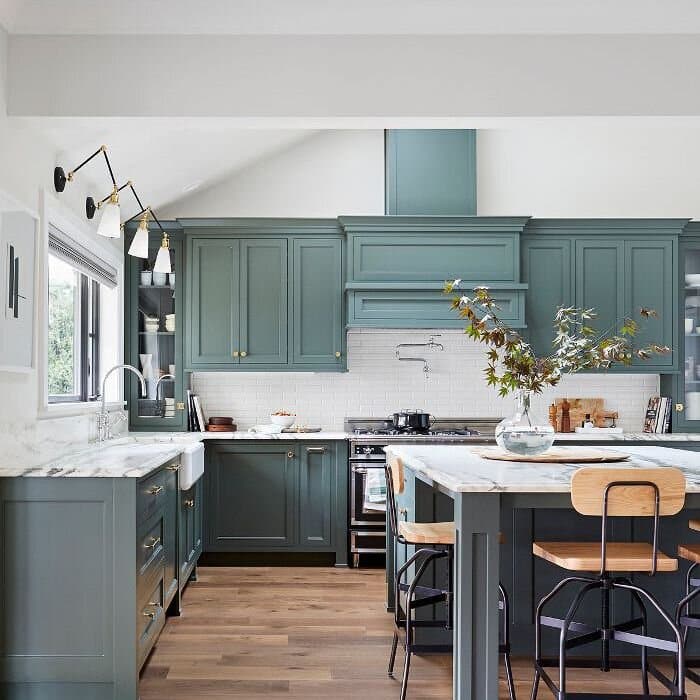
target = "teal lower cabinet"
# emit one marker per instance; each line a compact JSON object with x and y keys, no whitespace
{"x":190,"y":532}
{"x":89,"y":572}
{"x":276,"y":496}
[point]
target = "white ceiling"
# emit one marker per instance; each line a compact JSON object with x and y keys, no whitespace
{"x":165,"y":158}
{"x":350,"y":17}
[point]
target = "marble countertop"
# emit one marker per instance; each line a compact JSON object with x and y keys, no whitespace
{"x":238,"y":435}
{"x":459,"y":468}
{"x":118,"y":458}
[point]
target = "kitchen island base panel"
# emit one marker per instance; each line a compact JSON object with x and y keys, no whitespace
{"x":476,"y":658}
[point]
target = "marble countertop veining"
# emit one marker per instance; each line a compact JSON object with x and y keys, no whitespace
{"x":459,"y":468}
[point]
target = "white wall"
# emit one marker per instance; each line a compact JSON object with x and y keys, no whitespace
{"x":589,"y":170}
{"x":327,"y":174}
{"x":378,"y":384}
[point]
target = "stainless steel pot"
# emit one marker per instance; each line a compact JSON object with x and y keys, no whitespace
{"x":411,"y":420}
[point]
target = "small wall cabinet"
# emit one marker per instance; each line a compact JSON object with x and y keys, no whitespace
{"x":277,"y":496}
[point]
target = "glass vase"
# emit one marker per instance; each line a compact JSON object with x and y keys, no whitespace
{"x":525,"y":432}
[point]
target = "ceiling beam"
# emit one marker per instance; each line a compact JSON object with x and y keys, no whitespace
{"x":354,"y":77}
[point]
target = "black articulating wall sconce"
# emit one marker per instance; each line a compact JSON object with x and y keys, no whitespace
{"x":110,"y":225}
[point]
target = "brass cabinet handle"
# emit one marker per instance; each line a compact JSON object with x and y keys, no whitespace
{"x":189,"y":503}
{"x":173,"y":467}
{"x":154,"y":543}
{"x":235,"y":353}
{"x":316,"y":450}
{"x":338,"y":353}
{"x":151,"y":613}
{"x":244,"y":353}
{"x":291,"y":454}
{"x":180,"y":405}
{"x":680,"y":407}
{"x":155,"y":490}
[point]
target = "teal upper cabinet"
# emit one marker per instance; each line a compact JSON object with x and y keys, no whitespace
{"x":318,"y":332}
{"x":616,"y":266}
{"x":263,"y":301}
{"x":265,"y":295}
{"x":430,"y":171}
{"x":547,"y":270}
{"x":600,"y":281}
{"x":214,"y":310}
{"x":398,"y":265}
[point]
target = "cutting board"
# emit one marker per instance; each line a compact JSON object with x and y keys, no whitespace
{"x":556,"y":455}
{"x":579,"y":409}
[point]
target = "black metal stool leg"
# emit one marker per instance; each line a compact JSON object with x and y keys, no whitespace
{"x":407,"y":658}
{"x":645,"y":654}
{"x":505,"y":646}
{"x":392,"y":656}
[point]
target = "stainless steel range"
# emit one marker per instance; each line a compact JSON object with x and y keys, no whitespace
{"x":367,"y":461}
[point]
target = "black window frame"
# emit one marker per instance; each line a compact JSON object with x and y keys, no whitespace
{"x":89,"y":339}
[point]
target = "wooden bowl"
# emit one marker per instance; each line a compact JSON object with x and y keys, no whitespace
{"x":220,"y":420}
{"x":221,"y":428}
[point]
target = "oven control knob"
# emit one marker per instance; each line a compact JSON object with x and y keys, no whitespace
{"x":367,"y":450}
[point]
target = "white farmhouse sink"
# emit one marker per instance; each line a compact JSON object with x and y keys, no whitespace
{"x":191,"y":465}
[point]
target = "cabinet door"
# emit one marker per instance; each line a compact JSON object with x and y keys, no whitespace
{"x":263,"y":301}
{"x":170,"y":576}
{"x":214,"y":312}
{"x":650,"y":283}
{"x":317,"y":469}
{"x":251,"y":497}
{"x":600,"y":281}
{"x":190,"y":535}
{"x":317,"y":308}
{"x":547,"y":269}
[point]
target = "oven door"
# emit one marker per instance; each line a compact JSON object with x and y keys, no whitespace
{"x":367,"y":493}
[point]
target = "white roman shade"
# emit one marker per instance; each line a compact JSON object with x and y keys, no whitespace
{"x":84,"y":260}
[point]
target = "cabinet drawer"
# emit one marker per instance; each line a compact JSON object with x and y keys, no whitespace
{"x":150,"y":546}
{"x":152,"y":493}
{"x":150,"y":620}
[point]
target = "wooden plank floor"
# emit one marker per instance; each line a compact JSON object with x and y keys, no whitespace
{"x":293,"y":633}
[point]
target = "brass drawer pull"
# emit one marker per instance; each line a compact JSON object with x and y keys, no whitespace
{"x":244,"y":353}
{"x":291,"y":455}
{"x":189,"y":503}
{"x":155,"y":490}
{"x":150,"y":613}
{"x":155,"y":541}
{"x":173,"y":467}
{"x":316,"y":450}
{"x":235,"y":353}
{"x":338,"y":354}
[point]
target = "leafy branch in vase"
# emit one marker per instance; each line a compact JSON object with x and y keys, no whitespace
{"x":577,"y":345}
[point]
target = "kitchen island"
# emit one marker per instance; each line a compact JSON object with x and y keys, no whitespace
{"x":490,"y":497}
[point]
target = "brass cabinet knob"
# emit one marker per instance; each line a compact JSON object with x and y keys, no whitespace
{"x":189,"y":503}
{"x":680,"y":408}
{"x":180,"y":405}
{"x":291,"y":455}
{"x":235,"y":353}
{"x":338,"y":353}
{"x":244,"y":353}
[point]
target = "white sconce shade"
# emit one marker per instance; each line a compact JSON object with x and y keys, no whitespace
{"x":163,"y":257}
{"x":139,"y":246}
{"x":110,"y":223}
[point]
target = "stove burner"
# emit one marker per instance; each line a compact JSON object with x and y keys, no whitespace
{"x":408,"y":432}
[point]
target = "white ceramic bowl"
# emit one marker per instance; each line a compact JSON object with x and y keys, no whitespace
{"x":692,"y":280}
{"x":284,"y":421}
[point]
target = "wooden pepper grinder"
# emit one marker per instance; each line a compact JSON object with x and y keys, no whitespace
{"x":553,"y":415}
{"x":565,"y":417}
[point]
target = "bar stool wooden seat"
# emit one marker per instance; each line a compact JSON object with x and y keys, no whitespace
{"x":685,"y":618}
{"x":605,"y":492}
{"x":410,"y":595}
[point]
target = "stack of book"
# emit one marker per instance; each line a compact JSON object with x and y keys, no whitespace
{"x":658,"y":416}
{"x":195,"y":415}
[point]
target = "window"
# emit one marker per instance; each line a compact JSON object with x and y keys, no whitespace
{"x":78,"y":285}
{"x":73,"y":337}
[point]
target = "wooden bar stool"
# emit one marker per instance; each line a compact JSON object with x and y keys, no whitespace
{"x":686,"y":619}
{"x":605,"y":492}
{"x":410,"y":595}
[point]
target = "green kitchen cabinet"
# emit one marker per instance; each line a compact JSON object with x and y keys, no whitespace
{"x":265,"y":497}
{"x":238,"y":307}
{"x":316,"y":504}
{"x":252,"y":496}
{"x":547,"y":270}
{"x":155,"y":353}
{"x":190,"y":537}
{"x":318,"y":331}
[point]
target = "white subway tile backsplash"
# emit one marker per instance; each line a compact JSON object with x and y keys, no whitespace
{"x":378,"y":384}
